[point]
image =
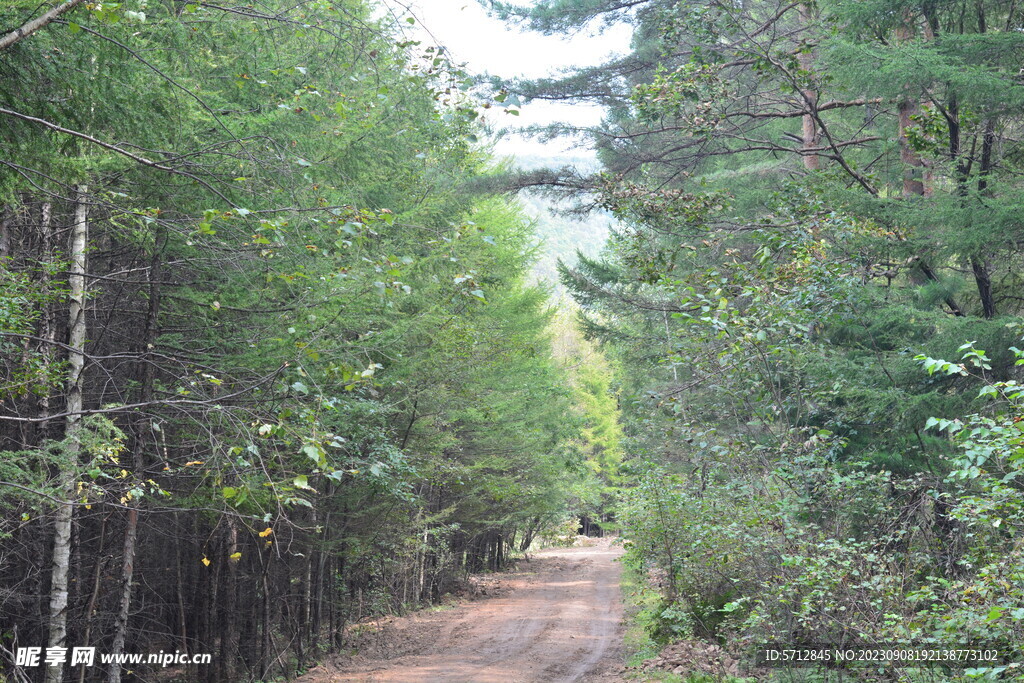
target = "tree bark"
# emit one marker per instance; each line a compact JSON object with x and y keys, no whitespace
{"x":982,"y":278}
{"x":914,"y":171}
{"x":229,"y":646}
{"x":913,"y":167}
{"x":124,"y":605}
{"x":97,"y":582}
{"x":47,"y":331}
{"x":27,"y":29}
{"x":6,"y":220}
{"x":64,"y":515}
{"x":810,"y":130}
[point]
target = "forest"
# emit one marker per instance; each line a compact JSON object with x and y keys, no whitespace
{"x":274,"y":359}
{"x":269,"y":363}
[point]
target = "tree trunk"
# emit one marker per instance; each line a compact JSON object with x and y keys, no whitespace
{"x":182,"y":619}
{"x":913,"y":167}
{"x":124,"y":606}
{"x":144,"y":426}
{"x":47,"y":329}
{"x":229,"y":645}
{"x":980,"y":267}
{"x":6,"y":220}
{"x":90,"y":611}
{"x":914,"y":171}
{"x":64,"y":515}
{"x":810,"y":129}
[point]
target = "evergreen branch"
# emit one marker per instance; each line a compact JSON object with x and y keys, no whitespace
{"x":114,"y":148}
{"x":145,"y":404}
{"x":166,"y":77}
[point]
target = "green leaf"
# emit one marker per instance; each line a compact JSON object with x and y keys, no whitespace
{"x":312,"y":452}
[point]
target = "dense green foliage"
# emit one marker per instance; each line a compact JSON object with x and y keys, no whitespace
{"x":318,"y":386}
{"x":816,"y":200}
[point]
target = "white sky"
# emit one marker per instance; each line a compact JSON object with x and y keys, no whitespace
{"x":486,"y":44}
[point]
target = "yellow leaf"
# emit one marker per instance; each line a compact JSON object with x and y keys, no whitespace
{"x":206,"y":562}
{"x":235,"y":557}
{"x":266,"y":532}
{"x":193,"y":462}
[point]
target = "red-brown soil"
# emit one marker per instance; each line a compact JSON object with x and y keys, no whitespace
{"x":556,"y":618}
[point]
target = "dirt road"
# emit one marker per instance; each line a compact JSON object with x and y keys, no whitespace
{"x":558,"y":618}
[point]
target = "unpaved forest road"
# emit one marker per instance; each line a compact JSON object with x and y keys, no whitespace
{"x":557,"y":618}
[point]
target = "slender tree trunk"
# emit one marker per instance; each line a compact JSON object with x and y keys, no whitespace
{"x":229,"y":645}
{"x":101,"y":563}
{"x":984,"y":282}
{"x":182,"y":619}
{"x":124,"y":605}
{"x":211,"y":612}
{"x":267,"y":645}
{"x":305,"y":607}
{"x":913,"y":167}
{"x":979,"y":265}
{"x":810,"y":129}
{"x":47,"y":330}
{"x":64,"y":515}
{"x":318,"y":597}
{"x":143,"y":427}
{"x":6,"y":220}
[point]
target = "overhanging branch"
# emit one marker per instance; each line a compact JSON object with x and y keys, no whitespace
{"x":31,"y":27}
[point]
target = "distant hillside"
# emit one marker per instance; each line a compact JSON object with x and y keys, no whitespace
{"x":561,"y":236}
{"x":584,"y":163}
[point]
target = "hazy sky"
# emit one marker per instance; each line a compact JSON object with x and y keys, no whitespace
{"x":488,"y":45}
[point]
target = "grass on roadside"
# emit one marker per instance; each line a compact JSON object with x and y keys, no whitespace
{"x":642,"y":606}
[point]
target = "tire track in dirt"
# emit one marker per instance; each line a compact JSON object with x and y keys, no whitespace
{"x":559,"y":620}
